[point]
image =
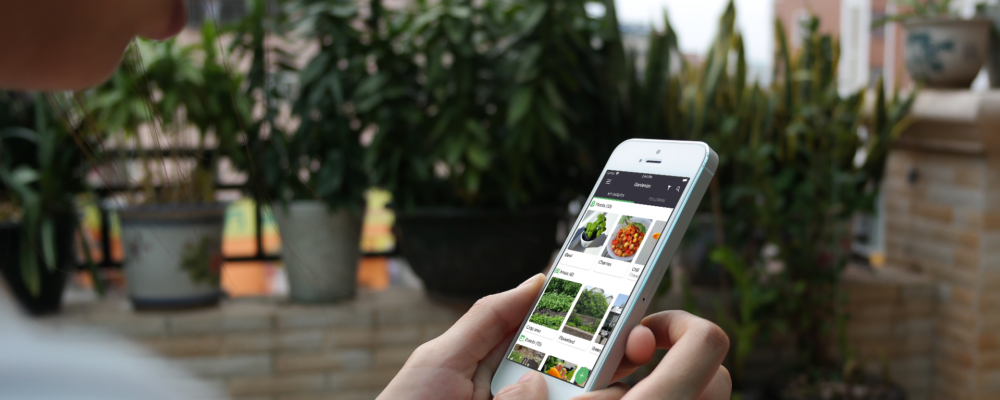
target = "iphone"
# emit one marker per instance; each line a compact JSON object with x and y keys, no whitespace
{"x":608,"y":269}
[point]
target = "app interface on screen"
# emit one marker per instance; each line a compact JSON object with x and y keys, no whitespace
{"x":594,"y":277}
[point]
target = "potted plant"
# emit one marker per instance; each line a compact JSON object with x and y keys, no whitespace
{"x":802,"y":160}
{"x":311,"y":175}
{"x":991,"y":11}
{"x":38,"y":217}
{"x":482,"y":138}
{"x":593,"y":230}
{"x":942,"y":50}
{"x":170,"y":110}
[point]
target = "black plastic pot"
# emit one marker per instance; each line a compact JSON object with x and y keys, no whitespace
{"x":465,"y":254}
{"x":53,"y":281}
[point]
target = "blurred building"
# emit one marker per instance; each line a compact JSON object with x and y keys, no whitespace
{"x":866,"y":52}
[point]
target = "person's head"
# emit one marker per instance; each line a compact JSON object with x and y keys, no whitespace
{"x":74,"y":44}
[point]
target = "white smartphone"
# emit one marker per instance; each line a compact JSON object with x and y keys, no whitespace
{"x":610,"y":266}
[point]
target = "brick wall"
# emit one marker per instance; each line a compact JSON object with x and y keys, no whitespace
{"x":890,"y":327}
{"x":943,"y":220}
{"x":266,"y":349}
{"x":270,"y":350}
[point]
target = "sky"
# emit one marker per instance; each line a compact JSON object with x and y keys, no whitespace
{"x":696,"y":20}
{"x":620,"y":301}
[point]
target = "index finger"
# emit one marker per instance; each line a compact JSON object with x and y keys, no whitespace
{"x":488,"y":322}
{"x":697,"y":348}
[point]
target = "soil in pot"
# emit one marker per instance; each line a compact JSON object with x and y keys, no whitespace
{"x":465,"y":254}
{"x":53,"y":281}
{"x":173,"y":254}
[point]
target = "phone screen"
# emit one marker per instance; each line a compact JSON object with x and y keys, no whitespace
{"x":583,"y":301}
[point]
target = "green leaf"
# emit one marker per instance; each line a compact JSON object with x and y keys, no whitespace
{"x":315,"y":68}
{"x":533,"y":17}
{"x":24,"y":175}
{"x":48,"y":234}
{"x":371,"y":85}
{"x":478,"y":157}
{"x":553,"y":121}
{"x":29,"y":269}
{"x":20,"y":133}
{"x":460,"y":12}
{"x":519,"y":104}
{"x":472,"y":180}
{"x":477,"y":130}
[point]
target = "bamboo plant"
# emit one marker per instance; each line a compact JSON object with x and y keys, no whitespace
{"x":797,"y":161}
{"x":168,"y":100}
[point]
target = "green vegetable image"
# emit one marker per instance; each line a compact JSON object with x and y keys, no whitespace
{"x":596,"y":228}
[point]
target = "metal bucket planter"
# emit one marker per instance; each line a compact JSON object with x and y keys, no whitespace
{"x":52,"y":282}
{"x":946,"y":52}
{"x":468,"y":254}
{"x":320,"y":250}
{"x":173,"y":254}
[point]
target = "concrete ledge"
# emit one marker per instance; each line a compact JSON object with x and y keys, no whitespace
{"x":271,"y":349}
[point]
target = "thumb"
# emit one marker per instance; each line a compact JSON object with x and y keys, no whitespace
{"x":531,"y":386}
{"x":490,"y":320}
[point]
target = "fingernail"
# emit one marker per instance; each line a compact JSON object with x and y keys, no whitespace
{"x":525,"y":377}
{"x":529,"y":280}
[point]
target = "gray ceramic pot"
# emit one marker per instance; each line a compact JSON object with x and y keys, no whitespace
{"x":320,"y":251}
{"x":173,"y":254}
{"x":946,"y":52}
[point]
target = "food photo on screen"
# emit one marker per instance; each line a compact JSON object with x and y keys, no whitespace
{"x":626,"y":238}
{"x":559,"y":368}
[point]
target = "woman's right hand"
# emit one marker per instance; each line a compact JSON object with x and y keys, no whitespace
{"x":692,"y":369}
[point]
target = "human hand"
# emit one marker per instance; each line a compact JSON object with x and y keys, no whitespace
{"x":692,"y":369}
{"x":461,"y":362}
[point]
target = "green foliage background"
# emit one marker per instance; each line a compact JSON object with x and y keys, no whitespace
{"x":592,"y":304}
{"x":556,"y":302}
{"x":514,"y":105}
{"x":546,"y":321}
{"x":563,"y":287}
